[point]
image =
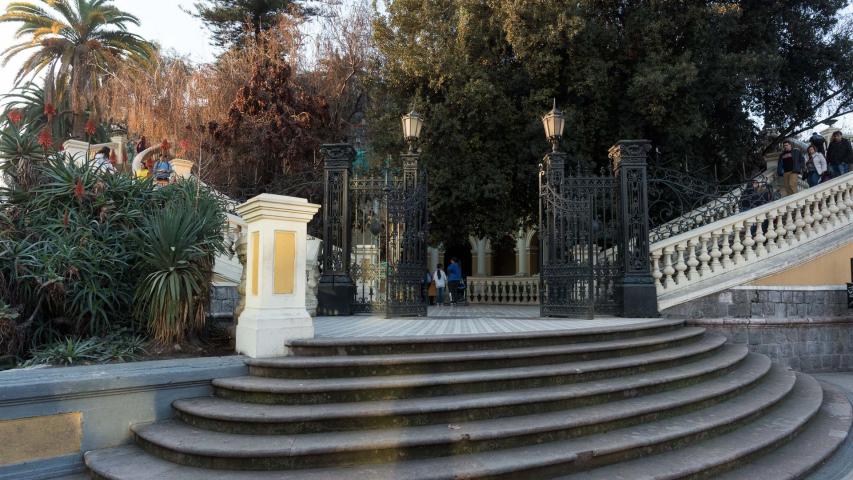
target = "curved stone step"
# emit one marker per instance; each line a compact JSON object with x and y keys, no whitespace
{"x":495,"y":341}
{"x":538,"y":462}
{"x":340,"y":366}
{"x":738,"y":454}
{"x":809,"y":449}
{"x":185,"y":444}
{"x":316,"y":391}
{"x":217,"y":414}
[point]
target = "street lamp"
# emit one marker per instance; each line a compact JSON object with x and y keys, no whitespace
{"x":554,"y":121}
{"x":412,"y":124}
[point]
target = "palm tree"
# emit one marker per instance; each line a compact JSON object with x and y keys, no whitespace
{"x":79,"y":42}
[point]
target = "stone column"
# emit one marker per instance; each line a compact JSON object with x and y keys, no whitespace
{"x":636,"y":289}
{"x":521,"y":266}
{"x":275,"y":273}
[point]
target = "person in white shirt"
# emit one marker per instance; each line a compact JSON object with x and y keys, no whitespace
{"x":815,"y":167}
{"x":102,"y":161}
{"x":440,"y":279}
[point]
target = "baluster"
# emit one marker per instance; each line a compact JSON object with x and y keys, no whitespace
{"x":825,"y":214}
{"x":760,"y":239}
{"x":848,"y":196}
{"x":817,"y":212}
{"x":692,"y":262}
{"x":781,"y":243}
{"x":715,"y":251}
{"x":799,"y":223}
{"x":680,"y":266}
{"x":770,"y":234}
{"x":748,"y":241}
{"x":808,"y":219}
{"x":833,"y":208}
{"x":737,"y":246}
{"x":668,"y":269}
{"x":704,"y":257}
{"x":726,"y":249}
{"x":790,"y":225}
{"x":656,"y":272}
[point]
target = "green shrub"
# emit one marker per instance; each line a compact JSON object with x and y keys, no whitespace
{"x":176,"y":251}
{"x":77,"y":244}
{"x":122,"y":347}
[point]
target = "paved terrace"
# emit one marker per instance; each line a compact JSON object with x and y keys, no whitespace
{"x":469,"y":320}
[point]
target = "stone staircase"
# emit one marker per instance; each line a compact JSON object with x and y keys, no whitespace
{"x":649,"y":400}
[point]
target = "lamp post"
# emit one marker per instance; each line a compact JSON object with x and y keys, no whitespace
{"x":554,"y":122}
{"x":412,"y":124}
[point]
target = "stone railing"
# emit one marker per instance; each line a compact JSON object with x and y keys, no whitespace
{"x":739,"y":241}
{"x":504,"y":290}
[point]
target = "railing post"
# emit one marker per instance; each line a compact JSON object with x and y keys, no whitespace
{"x":636,"y":289}
{"x":336,"y":288}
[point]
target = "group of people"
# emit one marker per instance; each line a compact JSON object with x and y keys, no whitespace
{"x":820,"y":163}
{"x":442,"y":282}
{"x":160,"y":168}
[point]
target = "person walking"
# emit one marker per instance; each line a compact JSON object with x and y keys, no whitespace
{"x":818,"y":142}
{"x":789,"y":167}
{"x":440,"y":279}
{"x":839,"y":154}
{"x":815,"y":167}
{"x":454,"y":277}
{"x":426,"y":281}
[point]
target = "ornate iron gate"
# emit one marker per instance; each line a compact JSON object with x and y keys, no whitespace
{"x":593,"y":230}
{"x":384,"y":225}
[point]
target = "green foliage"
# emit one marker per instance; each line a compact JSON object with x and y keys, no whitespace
{"x":228,"y":19}
{"x":77,"y":42}
{"x":120,"y":347}
{"x":67,"y":256}
{"x":697,"y":78}
{"x":28,"y":100}
{"x":176,"y":250}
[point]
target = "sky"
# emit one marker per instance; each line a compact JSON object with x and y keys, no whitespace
{"x":161,"y":20}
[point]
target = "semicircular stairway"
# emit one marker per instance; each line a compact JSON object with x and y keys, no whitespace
{"x":652,"y":399}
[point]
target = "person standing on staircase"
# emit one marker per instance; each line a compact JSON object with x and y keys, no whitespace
{"x":818,"y":142}
{"x":815,"y":167}
{"x":440,"y":279}
{"x":839,"y":154}
{"x":454,"y":277}
{"x":789,"y":167}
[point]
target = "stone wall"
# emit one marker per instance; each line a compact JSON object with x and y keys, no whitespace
{"x":766,"y":303}
{"x":90,"y":407}
{"x":806,"y":328}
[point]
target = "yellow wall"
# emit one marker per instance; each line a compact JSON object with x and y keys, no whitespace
{"x":831,"y":268}
{"x":27,"y":439}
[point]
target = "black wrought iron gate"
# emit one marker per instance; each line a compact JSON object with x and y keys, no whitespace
{"x":382,"y":235}
{"x":594,"y":234}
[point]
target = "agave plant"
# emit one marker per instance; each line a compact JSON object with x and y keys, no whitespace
{"x":176,"y":249}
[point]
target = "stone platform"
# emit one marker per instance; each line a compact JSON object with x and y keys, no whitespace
{"x":469,"y":320}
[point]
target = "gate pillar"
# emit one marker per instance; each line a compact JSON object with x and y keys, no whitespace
{"x":275,"y":272}
{"x":336,"y":288}
{"x":636,"y":289}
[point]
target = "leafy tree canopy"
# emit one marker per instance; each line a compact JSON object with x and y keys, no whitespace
{"x":698,"y":78}
{"x":227,"y":19}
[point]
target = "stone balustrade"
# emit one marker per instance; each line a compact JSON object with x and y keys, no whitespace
{"x":739,"y":241}
{"x":504,"y":290}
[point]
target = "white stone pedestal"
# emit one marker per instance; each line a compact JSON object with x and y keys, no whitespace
{"x":275,"y":275}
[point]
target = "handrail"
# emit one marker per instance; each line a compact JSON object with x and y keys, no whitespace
{"x":740,"y":240}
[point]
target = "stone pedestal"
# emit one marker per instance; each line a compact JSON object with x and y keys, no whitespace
{"x":275,"y":275}
{"x":182,"y":167}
